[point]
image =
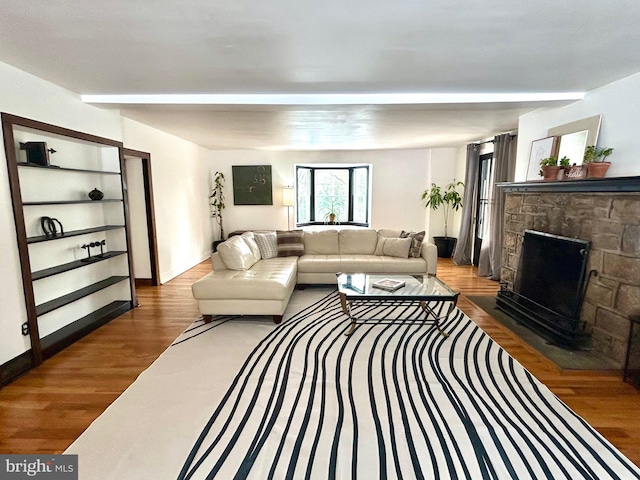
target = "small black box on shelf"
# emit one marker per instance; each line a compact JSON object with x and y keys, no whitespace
{"x":37,"y":152}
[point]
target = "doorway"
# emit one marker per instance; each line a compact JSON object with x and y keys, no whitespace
{"x":142,"y":217}
{"x":482,"y":201}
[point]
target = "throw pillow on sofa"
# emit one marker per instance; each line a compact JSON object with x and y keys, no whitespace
{"x":396,"y":247}
{"x":416,"y":242}
{"x":290,"y":243}
{"x":236,"y":254}
{"x":267,"y":243}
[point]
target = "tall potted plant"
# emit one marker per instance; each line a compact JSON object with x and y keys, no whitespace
{"x":216,"y":200}
{"x":449,"y":199}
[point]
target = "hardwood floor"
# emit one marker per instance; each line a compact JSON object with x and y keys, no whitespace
{"x":45,"y":410}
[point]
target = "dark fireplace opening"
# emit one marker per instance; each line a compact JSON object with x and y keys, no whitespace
{"x":549,"y":288}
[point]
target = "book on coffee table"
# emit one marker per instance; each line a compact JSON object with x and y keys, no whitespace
{"x":388,"y":284}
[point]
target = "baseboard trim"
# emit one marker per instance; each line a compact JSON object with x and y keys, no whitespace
{"x":144,"y":282}
{"x":16,"y":367}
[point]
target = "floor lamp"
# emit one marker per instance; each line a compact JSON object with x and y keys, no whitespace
{"x":287,"y":201}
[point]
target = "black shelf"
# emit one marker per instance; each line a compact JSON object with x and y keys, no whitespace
{"x":77,"y":295}
{"x":72,"y":202}
{"x":64,"y":169}
{"x":73,"y":233}
{"x":65,"y":267}
{"x":67,"y":335}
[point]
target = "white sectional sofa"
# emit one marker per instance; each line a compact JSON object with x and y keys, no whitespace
{"x":247,"y":278}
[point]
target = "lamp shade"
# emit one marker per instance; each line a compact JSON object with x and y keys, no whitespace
{"x":287,"y":196}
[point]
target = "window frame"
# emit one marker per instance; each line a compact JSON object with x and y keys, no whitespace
{"x":350,"y":196}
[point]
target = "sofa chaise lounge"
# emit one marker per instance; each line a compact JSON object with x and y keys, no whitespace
{"x":255,"y":274}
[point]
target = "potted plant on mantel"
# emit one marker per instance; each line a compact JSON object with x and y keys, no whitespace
{"x":216,"y":200}
{"x":595,"y":160}
{"x":449,"y":199}
{"x":549,"y":167}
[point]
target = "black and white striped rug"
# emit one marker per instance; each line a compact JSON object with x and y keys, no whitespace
{"x":391,"y":401}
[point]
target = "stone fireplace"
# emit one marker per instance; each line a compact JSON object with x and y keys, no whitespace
{"x":605,"y":212}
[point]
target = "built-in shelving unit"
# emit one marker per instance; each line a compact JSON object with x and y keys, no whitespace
{"x":79,"y":279}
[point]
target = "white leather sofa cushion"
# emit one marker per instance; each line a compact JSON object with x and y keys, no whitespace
{"x":360,"y":264}
{"x":250,"y":240}
{"x":389,"y":233}
{"x":236,"y":254}
{"x":358,"y":241}
{"x":323,"y":242}
{"x":268,"y":279}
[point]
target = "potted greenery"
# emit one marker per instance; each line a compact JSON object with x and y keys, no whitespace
{"x":449,"y":199}
{"x":549,"y":168}
{"x":595,"y":160}
{"x":332,"y":215}
{"x":216,"y":200}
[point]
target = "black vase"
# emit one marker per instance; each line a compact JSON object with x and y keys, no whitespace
{"x":446,"y":246}
{"x":96,"y":194}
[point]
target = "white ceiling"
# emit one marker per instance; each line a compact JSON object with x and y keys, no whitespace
{"x":334,"y":46}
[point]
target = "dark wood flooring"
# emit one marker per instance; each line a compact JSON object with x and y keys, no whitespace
{"x":45,"y":410}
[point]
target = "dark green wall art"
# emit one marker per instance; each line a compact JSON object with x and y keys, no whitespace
{"x":252,"y":185}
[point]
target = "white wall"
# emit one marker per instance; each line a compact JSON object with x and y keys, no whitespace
{"x":620,"y":109}
{"x":398,"y":179}
{"x":24,"y":95}
{"x":138,"y":231}
{"x":181,"y":182}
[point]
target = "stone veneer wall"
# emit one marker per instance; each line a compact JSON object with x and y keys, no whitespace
{"x":611,"y":221}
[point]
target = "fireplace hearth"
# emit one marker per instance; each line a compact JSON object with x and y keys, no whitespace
{"x":549,"y":287}
{"x":604,"y":212}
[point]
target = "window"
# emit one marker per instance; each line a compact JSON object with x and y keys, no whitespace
{"x":322,"y":190}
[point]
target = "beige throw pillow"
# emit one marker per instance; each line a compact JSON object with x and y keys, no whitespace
{"x":396,"y":247}
{"x":236,"y":254}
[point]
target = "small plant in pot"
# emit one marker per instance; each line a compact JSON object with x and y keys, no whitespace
{"x":595,"y":160}
{"x":449,"y":199}
{"x":332,"y":215}
{"x":549,"y":168}
{"x":216,"y":200}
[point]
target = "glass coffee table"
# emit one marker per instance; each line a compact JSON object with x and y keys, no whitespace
{"x":435,"y":298}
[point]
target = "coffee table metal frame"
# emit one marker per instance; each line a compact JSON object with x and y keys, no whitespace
{"x":436,"y":299}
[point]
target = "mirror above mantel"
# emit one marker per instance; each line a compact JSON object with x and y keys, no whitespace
{"x":576,"y":136}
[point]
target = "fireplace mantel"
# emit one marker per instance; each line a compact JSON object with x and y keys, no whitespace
{"x":610,"y":184}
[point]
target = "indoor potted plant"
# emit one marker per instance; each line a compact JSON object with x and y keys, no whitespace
{"x":549,"y":168}
{"x":332,"y":215}
{"x":595,"y":160}
{"x":449,"y":198}
{"x":216,"y":200}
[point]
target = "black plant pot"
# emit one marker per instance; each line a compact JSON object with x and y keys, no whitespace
{"x":215,"y":245}
{"x":445,"y":245}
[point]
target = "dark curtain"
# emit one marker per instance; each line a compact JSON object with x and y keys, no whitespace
{"x":464,"y":246}
{"x":504,"y":159}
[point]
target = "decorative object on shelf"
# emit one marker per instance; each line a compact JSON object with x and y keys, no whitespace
{"x":37,"y":152}
{"x":48,"y":225}
{"x":549,"y":168}
{"x":96,"y":194}
{"x":216,"y":200}
{"x":449,"y":198}
{"x":542,"y":148}
{"x":595,"y":160}
{"x":575,"y":172}
{"x":252,"y":185}
{"x":88,"y":248}
{"x":101,"y":244}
